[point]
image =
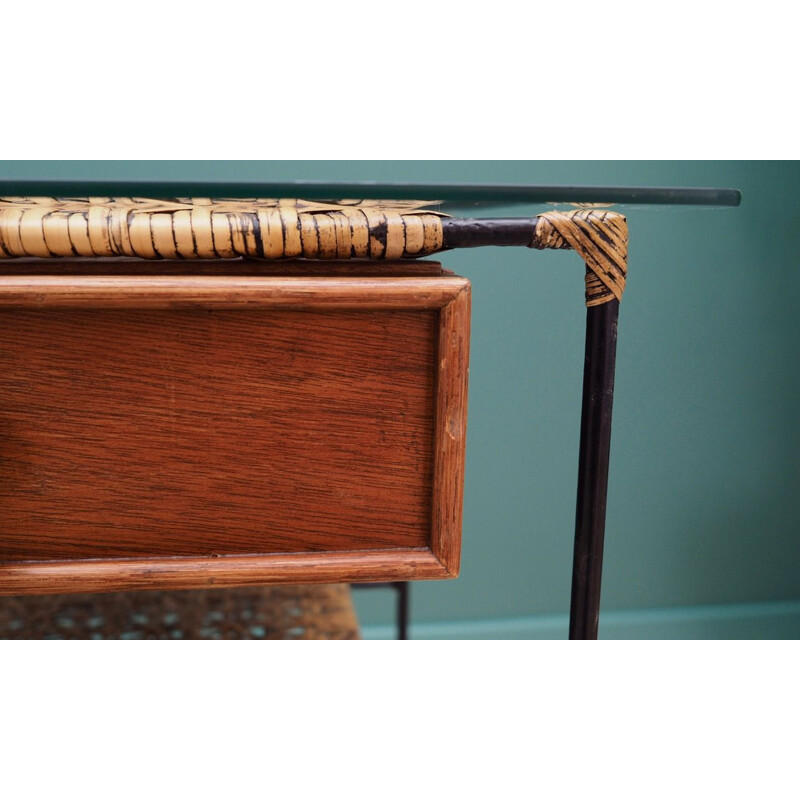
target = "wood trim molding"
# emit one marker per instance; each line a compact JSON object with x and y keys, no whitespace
{"x":449,"y":295}
{"x":65,"y":577}
{"x":226,"y":291}
{"x":451,"y":430}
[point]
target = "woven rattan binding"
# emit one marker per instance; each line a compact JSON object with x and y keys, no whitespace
{"x":599,"y":237}
{"x":47,"y":227}
{"x":202,"y":228}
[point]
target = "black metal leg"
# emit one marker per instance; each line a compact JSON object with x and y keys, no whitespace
{"x":590,"y":523}
{"x":403,"y":592}
{"x":402,"y":610}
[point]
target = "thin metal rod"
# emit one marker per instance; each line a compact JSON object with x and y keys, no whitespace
{"x":595,"y":447}
{"x":476,"y":232}
{"x":403,"y":592}
{"x":402,"y":609}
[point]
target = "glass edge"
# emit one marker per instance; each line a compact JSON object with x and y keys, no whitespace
{"x":463,"y":195}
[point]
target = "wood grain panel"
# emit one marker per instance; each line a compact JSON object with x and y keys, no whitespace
{"x":200,"y":432}
{"x":182,"y":431}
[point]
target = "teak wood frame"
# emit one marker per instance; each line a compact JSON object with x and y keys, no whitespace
{"x":450,"y":296}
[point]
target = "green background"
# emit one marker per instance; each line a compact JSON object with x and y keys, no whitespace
{"x":702,"y":533}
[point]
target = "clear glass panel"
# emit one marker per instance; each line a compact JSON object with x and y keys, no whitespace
{"x":454,"y":198}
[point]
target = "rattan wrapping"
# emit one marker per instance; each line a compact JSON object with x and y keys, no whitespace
{"x":47,"y":227}
{"x":601,"y":240}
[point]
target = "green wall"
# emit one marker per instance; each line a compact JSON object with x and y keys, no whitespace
{"x":702,"y":511}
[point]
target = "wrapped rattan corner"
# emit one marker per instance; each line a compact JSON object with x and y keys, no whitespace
{"x":599,"y":237}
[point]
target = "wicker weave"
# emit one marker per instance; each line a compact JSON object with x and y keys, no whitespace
{"x":275,"y":612}
{"x":46,"y":227}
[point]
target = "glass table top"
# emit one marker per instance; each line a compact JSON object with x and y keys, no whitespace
{"x":453,"y":198}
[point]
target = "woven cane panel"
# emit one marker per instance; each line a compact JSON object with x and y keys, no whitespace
{"x":277,"y":612}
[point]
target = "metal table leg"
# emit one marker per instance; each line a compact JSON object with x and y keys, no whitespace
{"x":590,"y":523}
